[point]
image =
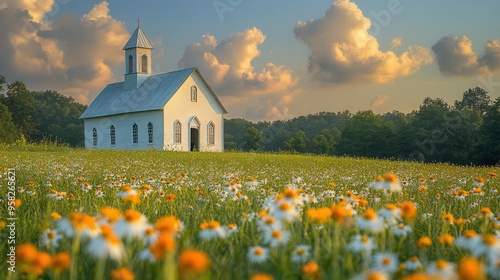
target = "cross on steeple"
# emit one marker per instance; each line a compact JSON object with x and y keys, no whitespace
{"x":138,"y":22}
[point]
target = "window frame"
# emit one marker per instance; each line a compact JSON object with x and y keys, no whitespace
{"x":150,"y":133}
{"x":94,"y":137}
{"x":177,"y":132}
{"x":194,"y":94}
{"x":130,"y":64}
{"x":112,"y":135}
{"x":135,"y":134}
{"x":144,"y":63}
{"x":211,"y":133}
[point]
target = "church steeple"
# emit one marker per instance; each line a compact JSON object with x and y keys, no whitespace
{"x":137,"y":59}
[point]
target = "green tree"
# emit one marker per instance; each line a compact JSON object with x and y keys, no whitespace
{"x":252,"y":139}
{"x":2,"y":83}
{"x":21,"y":104}
{"x":8,"y":131}
{"x":297,"y":143}
{"x":325,"y":142}
{"x":476,"y":99}
{"x":488,"y":150}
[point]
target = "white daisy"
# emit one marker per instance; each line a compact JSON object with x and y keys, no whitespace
{"x":301,"y":254}
{"x":443,"y":270}
{"x":385,"y":262}
{"x":276,"y":237}
{"x":258,"y":254}
{"x":361,"y":243}
{"x":50,"y":238}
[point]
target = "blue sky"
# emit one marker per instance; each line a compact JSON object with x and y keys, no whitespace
{"x":262,"y":62}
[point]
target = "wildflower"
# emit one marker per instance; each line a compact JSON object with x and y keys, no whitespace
{"x":448,"y":218}
{"x":340,"y":211}
{"x":111,"y":214}
{"x":78,"y":223}
{"x":446,"y":239}
{"x":471,"y":269}
{"x":50,"y":238}
{"x":424,"y":242}
{"x":493,"y":174}
{"x":442,"y":269}
{"x":371,"y":275}
{"x":168,"y":225}
{"x":276,"y":237}
{"x":211,"y":230}
{"x":493,"y":269}
{"x":385,"y":262}
{"x":132,"y":225}
{"x":408,"y":211}
{"x":156,"y":251}
{"x":258,"y":254}
{"x":61,"y":261}
{"x":107,"y":244}
{"x":55,"y":215}
{"x":40,"y":263}
{"x":261,"y":276}
{"x":26,"y":253}
{"x":392,"y":183}
{"x":488,"y":245}
{"x":370,"y":221}
{"x":122,"y":274}
{"x":311,"y":270}
{"x":417,"y":276}
{"x":126,"y":191}
{"x":362,"y":243}
{"x":192,"y":263}
{"x":319,"y":215}
{"x":478,"y":182}
{"x":301,"y":254}
{"x":285,"y":211}
{"x":170,"y":197}
{"x":391,"y":213}
{"x":401,"y":230}
{"x":268,"y":223}
{"x":378,"y":184}
{"x":468,"y":240}
{"x":413,"y":264}
{"x":231,"y":228}
{"x":99,"y":194}
{"x":486,"y":213}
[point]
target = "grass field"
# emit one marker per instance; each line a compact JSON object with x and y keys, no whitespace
{"x":160,"y":215}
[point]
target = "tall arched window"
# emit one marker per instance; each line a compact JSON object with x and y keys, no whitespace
{"x":94,"y":137}
{"x":135,"y":134}
{"x":150,"y":133}
{"x":144,"y":63}
{"x":177,"y":132}
{"x":112,"y":135}
{"x":211,"y":133}
{"x":194,"y":94}
{"x":130,"y":64}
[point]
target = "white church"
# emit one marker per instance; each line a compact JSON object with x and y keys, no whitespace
{"x":172,"y":111}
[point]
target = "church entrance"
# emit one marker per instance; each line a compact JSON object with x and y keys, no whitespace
{"x":195,"y":139}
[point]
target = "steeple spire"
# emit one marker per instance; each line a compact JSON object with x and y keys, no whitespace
{"x":137,"y":58}
{"x":138,"y":23}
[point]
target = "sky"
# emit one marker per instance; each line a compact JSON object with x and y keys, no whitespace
{"x":266,"y":60}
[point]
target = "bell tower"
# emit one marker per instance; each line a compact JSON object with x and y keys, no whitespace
{"x":137,"y":59}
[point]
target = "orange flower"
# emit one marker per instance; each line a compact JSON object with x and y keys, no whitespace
{"x":448,"y":217}
{"x":261,"y":276}
{"x":55,"y":216}
{"x":112,"y":214}
{"x":122,"y":274}
{"x":168,"y":225}
{"x":424,"y":242}
{"x":26,"y":253}
{"x":61,"y":261}
{"x":408,"y":211}
{"x":132,"y":199}
{"x":41,"y":262}
{"x":493,"y":174}
{"x":471,"y":269}
{"x":170,"y":197}
{"x":319,"y":215}
{"x":17,"y":203}
{"x":446,"y":239}
{"x":311,"y":270}
{"x":165,"y":243}
{"x":416,"y":276}
{"x":193,"y":262}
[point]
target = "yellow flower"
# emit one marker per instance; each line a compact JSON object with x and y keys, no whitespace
{"x":408,"y":211}
{"x":55,"y":216}
{"x":168,"y":225}
{"x":446,"y":239}
{"x":319,"y":215}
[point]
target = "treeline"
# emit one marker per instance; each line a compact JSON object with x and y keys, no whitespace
{"x":466,"y":132}
{"x":36,"y":116}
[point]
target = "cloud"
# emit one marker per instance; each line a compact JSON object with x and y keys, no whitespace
{"x":342,"y":50}
{"x":456,"y":57}
{"x":271,"y":107}
{"x":228,"y":65}
{"x":378,"y":100}
{"x":69,"y":54}
{"x":396,"y":42}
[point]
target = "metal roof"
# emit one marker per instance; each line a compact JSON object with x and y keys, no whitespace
{"x":152,"y":95}
{"x":138,"y":40}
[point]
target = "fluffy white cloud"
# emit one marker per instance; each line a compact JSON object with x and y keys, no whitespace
{"x":378,"y":100}
{"x":455,"y":56}
{"x":342,"y":50}
{"x":70,"y":54}
{"x":228,"y":65}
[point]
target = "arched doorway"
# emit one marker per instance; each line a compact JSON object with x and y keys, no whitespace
{"x":194,"y":134}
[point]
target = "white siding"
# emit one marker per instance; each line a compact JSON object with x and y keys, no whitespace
{"x":206,"y":109}
{"x":123,"y":127}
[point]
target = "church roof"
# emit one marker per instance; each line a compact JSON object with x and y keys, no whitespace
{"x":138,"y":40}
{"x":153,"y":94}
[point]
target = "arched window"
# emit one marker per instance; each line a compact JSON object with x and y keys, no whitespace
{"x":211,"y":133}
{"x":135,"y":134}
{"x":177,"y":132}
{"x":194,"y":94}
{"x":130,"y":64}
{"x":150,"y":133}
{"x":112,"y":135}
{"x":94,"y":137}
{"x":144,"y":63}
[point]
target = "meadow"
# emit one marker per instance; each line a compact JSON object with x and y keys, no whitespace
{"x":165,"y":215}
